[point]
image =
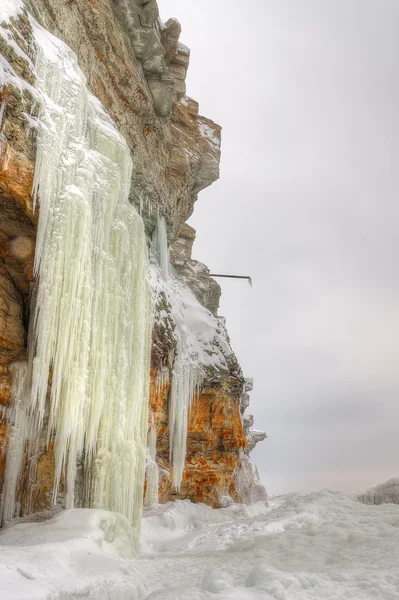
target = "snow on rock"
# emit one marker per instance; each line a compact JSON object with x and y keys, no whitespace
{"x":319,"y":546}
{"x":9,"y":9}
{"x":80,"y":553}
{"x":206,"y":130}
{"x":384,"y":493}
{"x":254,"y":436}
{"x":201,"y":342}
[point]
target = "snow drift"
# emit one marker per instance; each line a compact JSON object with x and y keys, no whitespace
{"x":324,"y":545}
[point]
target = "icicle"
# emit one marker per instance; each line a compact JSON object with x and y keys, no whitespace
{"x":161,"y":245}
{"x":161,"y":379}
{"x":91,"y":317}
{"x":151,"y":496}
{"x":186,"y":377}
{"x":185,"y":384}
{"x":141,"y":205}
{"x":16,"y":415}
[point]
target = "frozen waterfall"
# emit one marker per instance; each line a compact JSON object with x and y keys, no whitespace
{"x":90,"y":330}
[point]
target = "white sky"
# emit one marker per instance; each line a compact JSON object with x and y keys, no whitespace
{"x":307,"y":92}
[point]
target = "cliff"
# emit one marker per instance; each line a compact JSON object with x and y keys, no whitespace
{"x":135,"y":65}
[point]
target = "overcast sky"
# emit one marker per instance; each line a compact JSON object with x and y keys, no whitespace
{"x":307,"y":92}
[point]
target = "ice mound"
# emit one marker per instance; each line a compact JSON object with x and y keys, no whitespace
{"x":384,"y":493}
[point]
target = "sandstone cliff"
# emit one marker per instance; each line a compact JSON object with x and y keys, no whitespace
{"x":136,"y":66}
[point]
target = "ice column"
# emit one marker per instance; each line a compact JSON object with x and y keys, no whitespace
{"x":161,"y":244}
{"x":151,"y":496}
{"x":184,"y":387}
{"x":91,"y":316}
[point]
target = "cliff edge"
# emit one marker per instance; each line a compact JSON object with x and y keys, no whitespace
{"x":135,"y":65}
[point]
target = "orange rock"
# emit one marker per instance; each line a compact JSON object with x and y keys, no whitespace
{"x":5,"y":385}
{"x":215,"y":435}
{"x":16,"y":179}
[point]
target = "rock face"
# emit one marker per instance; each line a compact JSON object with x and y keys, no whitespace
{"x":17,"y":222}
{"x":196,"y":274}
{"x":136,"y":66}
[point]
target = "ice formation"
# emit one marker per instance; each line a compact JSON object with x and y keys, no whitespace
{"x":201,"y":342}
{"x":185,"y":383}
{"x":16,"y":415}
{"x":161,"y":245}
{"x":90,"y":329}
{"x":384,"y":493}
{"x":151,"y":496}
{"x":186,"y":371}
{"x":161,"y":379}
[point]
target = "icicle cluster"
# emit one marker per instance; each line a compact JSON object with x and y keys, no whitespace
{"x":186,"y":375}
{"x":161,"y":379}
{"x":185,"y":379}
{"x":90,"y":323}
{"x":151,"y":496}
{"x":185,"y":384}
{"x":16,"y":417}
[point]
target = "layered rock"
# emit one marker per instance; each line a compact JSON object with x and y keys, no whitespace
{"x":136,"y":66}
{"x":196,"y":274}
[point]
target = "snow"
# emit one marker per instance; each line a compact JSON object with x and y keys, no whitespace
{"x":324,"y":545}
{"x":208,"y":133}
{"x":183,"y":49}
{"x":384,"y":493}
{"x":80,"y":553}
{"x":8,"y":75}
{"x":319,"y":546}
{"x":9,"y":9}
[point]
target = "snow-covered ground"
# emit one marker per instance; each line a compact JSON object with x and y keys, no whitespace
{"x":80,"y":553}
{"x":320,"y":546}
